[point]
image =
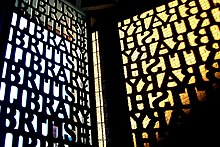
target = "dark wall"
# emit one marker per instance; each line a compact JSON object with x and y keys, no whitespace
{"x":117,"y":120}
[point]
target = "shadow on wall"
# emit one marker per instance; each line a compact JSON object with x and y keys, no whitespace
{"x":200,"y":129}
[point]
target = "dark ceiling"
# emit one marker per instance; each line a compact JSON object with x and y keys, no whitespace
{"x":94,"y":3}
{"x":99,"y":8}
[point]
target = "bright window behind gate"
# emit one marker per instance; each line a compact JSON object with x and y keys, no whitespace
{"x":44,"y":89}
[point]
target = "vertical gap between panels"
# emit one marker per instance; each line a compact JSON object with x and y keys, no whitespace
{"x":98,"y":92}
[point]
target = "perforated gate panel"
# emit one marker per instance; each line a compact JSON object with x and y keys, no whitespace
{"x":44,"y":89}
{"x":171,"y":64}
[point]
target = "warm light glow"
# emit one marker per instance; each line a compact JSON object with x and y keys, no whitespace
{"x":169,"y":59}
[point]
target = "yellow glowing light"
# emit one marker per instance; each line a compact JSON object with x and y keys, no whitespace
{"x":157,"y":124}
{"x":131,"y":29}
{"x":157,"y":22}
{"x":168,"y":115}
{"x":191,"y":37}
{"x":146,"y":121}
{"x":177,"y":31}
{"x":170,"y":43}
{"x":140,"y":85}
{"x":137,"y":114}
{"x":178,"y":73}
{"x":161,"y":8}
{"x":144,"y":56}
{"x":190,"y":58}
{"x":129,"y":103}
{"x":160,"y":65}
{"x":163,"y":16}
{"x":215,"y":45}
{"x":180,"y":27}
{"x":129,"y":39}
{"x":216,"y":2}
{"x":140,"y":106}
{"x":144,"y":135}
{"x":135,"y":18}
{"x":204,"y":4}
{"x":172,"y":84}
{"x":174,"y":61}
{"x":203,"y":71}
{"x":216,"y":14}
{"x":184,"y":98}
{"x":215,"y":32}
{"x":147,"y":13}
{"x":147,"y":21}
{"x":173,"y":4}
{"x":160,"y":77}
{"x":206,"y":22}
{"x":215,"y":65}
{"x":192,"y":79}
{"x":152,"y":98}
{"x":135,"y":55}
{"x":217,"y":55}
{"x":154,"y":37}
{"x":139,"y":98}
{"x":153,"y":47}
{"x":204,"y":52}
{"x":130,"y":45}
{"x":169,"y":100}
{"x":182,"y":11}
{"x":135,"y":73}
{"x":127,"y":21}
{"x":133,"y":123}
{"x":134,"y":139}
{"x":174,"y":16}
{"x":119,"y":24}
{"x":129,"y":88}
{"x":141,"y":36}
{"x":150,"y":87}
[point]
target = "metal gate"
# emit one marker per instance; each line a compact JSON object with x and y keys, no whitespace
{"x":44,"y":79}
